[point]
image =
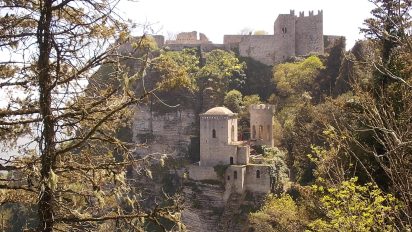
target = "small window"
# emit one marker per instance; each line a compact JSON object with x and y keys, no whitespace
{"x":228,"y":177}
{"x":231,"y":160}
{"x":257,"y":173}
{"x":233,"y":133}
{"x":284,"y":30}
{"x":260,"y":132}
{"x":235,"y":175}
{"x":268,"y":132}
{"x":253,"y":132}
{"x":214,"y":133}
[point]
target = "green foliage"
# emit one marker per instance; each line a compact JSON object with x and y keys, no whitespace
{"x":250,"y":100}
{"x":233,"y":101}
{"x":222,"y":70}
{"x":353,"y":207}
{"x":258,"y":79}
{"x":177,"y":69}
{"x":182,"y":70}
{"x":280,"y":214}
{"x":279,"y":168}
{"x":244,"y":113}
{"x":295,"y":78}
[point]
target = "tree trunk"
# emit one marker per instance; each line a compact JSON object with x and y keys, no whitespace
{"x":47,"y":146}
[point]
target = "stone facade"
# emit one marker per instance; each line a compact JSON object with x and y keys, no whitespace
{"x":251,"y":177}
{"x":261,"y":124}
{"x":293,"y":35}
{"x":189,"y":38}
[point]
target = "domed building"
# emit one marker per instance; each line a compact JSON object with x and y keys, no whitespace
{"x":219,"y":145}
{"x":218,"y":139}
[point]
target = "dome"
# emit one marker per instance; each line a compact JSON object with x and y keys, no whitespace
{"x":219,"y":111}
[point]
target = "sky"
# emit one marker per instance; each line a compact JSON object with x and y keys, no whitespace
{"x":216,"y":18}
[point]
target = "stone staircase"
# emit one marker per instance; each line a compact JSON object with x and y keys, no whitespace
{"x":204,"y":206}
{"x":232,"y":219}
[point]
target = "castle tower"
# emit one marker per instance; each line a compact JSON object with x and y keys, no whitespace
{"x":284,"y":36}
{"x":261,"y":124}
{"x":309,"y":33}
{"x":218,"y":129}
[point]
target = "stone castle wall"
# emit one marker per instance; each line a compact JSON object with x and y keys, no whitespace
{"x":293,"y":36}
{"x":254,"y":184}
{"x":189,"y":38}
{"x":284,"y":37}
{"x":258,"y":47}
{"x":202,"y":173}
{"x":309,"y":33}
{"x":202,"y":47}
{"x":261,"y":124}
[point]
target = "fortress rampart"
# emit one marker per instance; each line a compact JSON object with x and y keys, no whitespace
{"x":293,"y":35}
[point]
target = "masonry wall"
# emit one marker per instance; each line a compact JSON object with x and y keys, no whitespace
{"x":309,"y":33}
{"x":284,"y":37}
{"x":235,"y":182}
{"x":189,"y":38}
{"x":232,"y":39}
{"x":261,"y":124}
{"x":168,"y":133}
{"x":217,"y":150}
{"x":202,"y":47}
{"x":259,"y":47}
{"x":254,"y":184}
{"x":202,"y":173}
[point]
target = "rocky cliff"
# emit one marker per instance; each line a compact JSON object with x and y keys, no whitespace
{"x":163,"y":133}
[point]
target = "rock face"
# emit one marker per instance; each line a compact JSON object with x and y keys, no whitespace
{"x":204,"y":206}
{"x":206,"y":211}
{"x":163,"y":133}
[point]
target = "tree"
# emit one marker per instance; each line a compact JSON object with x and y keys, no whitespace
{"x":279,"y":214}
{"x":390,"y":29}
{"x":76,"y":166}
{"x":220,"y":71}
{"x":353,"y":207}
{"x":295,"y":78}
{"x":233,"y":100}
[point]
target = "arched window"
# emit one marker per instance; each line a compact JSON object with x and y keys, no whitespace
{"x":213,"y":133}
{"x":231,"y":160}
{"x":268,"y":132}
{"x":253,"y":132}
{"x":228,"y":177}
{"x":235,"y":175}
{"x":257,"y":173}
{"x":233,"y":133}
{"x":260,"y":132}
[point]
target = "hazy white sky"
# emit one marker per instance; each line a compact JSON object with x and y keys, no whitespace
{"x":216,"y":18}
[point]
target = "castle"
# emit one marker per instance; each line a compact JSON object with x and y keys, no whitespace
{"x":292,"y":36}
{"x":219,"y":145}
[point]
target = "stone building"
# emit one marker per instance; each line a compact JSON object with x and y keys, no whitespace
{"x":292,"y":36}
{"x":189,"y":38}
{"x":219,"y":145}
{"x":218,"y":139}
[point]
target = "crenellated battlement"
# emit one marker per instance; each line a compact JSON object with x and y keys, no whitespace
{"x":262,"y":108}
{"x":293,"y":35}
{"x":311,"y":14}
